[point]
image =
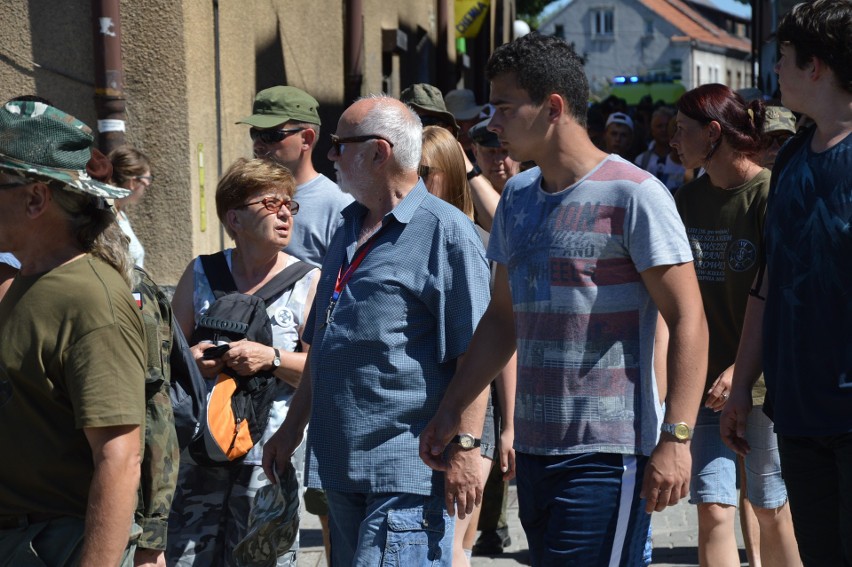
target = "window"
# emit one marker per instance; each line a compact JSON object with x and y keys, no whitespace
{"x":649,"y":27}
{"x":559,"y":31}
{"x":698,"y":75}
{"x":602,"y":22}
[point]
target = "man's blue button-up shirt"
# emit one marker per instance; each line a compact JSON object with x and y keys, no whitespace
{"x":380,"y":368}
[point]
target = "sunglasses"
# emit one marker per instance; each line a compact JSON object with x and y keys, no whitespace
{"x":424,"y":171}
{"x":18,"y":183}
{"x":778,"y":139}
{"x":273,"y":205}
{"x":337,"y":143}
{"x":149,"y":179}
{"x":272,"y":136}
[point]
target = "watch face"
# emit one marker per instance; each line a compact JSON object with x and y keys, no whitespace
{"x":681,"y":431}
{"x":466,"y":441}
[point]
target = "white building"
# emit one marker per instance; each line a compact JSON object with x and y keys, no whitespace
{"x":644,"y":37}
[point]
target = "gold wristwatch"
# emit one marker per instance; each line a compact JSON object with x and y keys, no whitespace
{"x":681,"y":431}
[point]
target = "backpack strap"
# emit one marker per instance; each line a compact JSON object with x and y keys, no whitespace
{"x":284,"y":280}
{"x":218,"y":274}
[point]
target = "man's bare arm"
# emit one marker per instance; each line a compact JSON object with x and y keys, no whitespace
{"x":674,"y":290}
{"x":747,"y":370}
{"x":490,"y":349}
{"x":281,"y":446}
{"x":112,"y":493}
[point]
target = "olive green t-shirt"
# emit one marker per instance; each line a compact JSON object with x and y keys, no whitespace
{"x":725,"y":231}
{"x":72,"y":355}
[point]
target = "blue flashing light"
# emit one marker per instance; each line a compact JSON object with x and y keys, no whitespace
{"x":619,"y":80}
{"x":634,"y":79}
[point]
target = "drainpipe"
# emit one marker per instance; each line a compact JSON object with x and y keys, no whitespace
{"x":109,"y":74}
{"x":354,"y":47}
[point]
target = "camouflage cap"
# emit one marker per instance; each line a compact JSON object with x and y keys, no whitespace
{"x":427,"y":101}
{"x":779,"y":119}
{"x":42,"y":142}
{"x":277,"y":105}
{"x":273,"y":523}
{"x":481,"y":135}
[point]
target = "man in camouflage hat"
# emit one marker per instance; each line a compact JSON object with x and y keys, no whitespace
{"x":72,"y":361}
{"x":780,"y":125}
{"x":429,"y":105}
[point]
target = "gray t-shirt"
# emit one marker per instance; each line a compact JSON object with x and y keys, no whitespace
{"x":320,"y":202}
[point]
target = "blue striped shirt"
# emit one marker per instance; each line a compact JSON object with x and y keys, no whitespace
{"x":381,"y":367}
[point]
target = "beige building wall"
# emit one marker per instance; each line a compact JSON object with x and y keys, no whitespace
{"x":186,"y":86}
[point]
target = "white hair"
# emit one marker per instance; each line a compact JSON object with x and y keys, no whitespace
{"x":399,"y":124}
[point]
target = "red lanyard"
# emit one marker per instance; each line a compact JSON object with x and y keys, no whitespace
{"x":343,"y":277}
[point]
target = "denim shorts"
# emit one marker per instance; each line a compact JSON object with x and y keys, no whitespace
{"x":766,"y":488}
{"x":714,"y":466}
{"x":389,"y":530}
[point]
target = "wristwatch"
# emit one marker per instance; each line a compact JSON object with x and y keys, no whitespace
{"x":681,"y":431}
{"x":467,"y":441}
{"x":276,"y":362}
{"x":474,"y":172}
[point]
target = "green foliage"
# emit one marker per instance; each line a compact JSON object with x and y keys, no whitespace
{"x":529,"y":10}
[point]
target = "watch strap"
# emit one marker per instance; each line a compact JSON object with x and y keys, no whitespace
{"x":474,"y":172}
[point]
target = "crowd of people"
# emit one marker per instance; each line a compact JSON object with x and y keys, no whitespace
{"x":488,"y":292}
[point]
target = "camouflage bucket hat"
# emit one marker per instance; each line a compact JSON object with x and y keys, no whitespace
{"x":779,"y":119}
{"x":277,"y":105}
{"x":273,"y":523}
{"x":42,"y":142}
{"x":427,"y":100}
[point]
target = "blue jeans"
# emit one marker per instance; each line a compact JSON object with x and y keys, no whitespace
{"x":389,"y":530}
{"x":583,"y":510}
{"x":818,"y":473}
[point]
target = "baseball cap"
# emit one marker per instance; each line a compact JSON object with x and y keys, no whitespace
{"x":273,"y":523}
{"x":779,"y":119}
{"x":462,"y":104}
{"x":619,"y":118}
{"x":277,"y":105}
{"x":40,"y":141}
{"x":480,"y":134}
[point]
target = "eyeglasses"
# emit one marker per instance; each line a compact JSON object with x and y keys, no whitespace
{"x":337,"y":143}
{"x":273,"y":205}
{"x":148,"y":179}
{"x":273,"y":136}
{"x":424,"y":171}
{"x":19,"y":182}
{"x":778,"y":139}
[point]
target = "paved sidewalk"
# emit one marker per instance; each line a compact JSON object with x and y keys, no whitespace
{"x":675,"y":535}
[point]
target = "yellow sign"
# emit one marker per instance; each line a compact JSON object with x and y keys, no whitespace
{"x":469,"y":17}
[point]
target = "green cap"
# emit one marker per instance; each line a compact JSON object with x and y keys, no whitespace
{"x":779,"y":119}
{"x":427,"y":101}
{"x":273,"y":522}
{"x":277,"y":105}
{"x":42,"y":142}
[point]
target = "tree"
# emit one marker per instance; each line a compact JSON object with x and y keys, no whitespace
{"x":530,"y":10}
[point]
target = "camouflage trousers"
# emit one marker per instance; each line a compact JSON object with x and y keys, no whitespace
{"x":57,"y":543}
{"x":210,"y":514}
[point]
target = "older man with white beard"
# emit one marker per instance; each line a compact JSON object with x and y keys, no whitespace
{"x":404,"y":284}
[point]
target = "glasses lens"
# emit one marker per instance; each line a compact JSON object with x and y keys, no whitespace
{"x":267,"y":136}
{"x":292,"y":206}
{"x":423,"y":170}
